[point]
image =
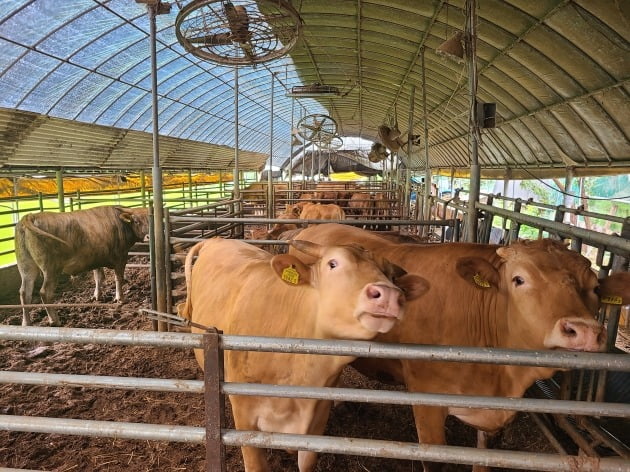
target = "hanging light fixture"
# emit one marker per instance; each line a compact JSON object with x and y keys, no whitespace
{"x":453,"y":48}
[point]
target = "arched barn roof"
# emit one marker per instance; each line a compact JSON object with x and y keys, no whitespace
{"x":76,"y":84}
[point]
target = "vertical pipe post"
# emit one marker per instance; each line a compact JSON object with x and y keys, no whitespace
{"x":190,"y":188}
{"x":412,"y":99}
{"x":236,"y":193}
{"x":506,"y":185}
{"x":60,"y":195}
{"x":426,"y":199}
{"x":291,"y":152}
{"x":270,"y":212}
{"x":214,"y":401}
{"x":143,"y":188}
{"x":475,"y":171}
{"x":566,"y":198}
{"x":158,"y":204}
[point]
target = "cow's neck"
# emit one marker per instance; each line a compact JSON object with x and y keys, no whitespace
{"x":485,"y":317}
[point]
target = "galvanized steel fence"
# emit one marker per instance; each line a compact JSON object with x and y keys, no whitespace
{"x":216,"y":436}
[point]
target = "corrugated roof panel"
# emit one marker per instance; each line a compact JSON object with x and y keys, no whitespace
{"x":24,"y":77}
{"x":53,"y":87}
{"x":85,"y":90}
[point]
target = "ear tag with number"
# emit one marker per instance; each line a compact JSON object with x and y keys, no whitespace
{"x":290,"y":275}
{"x":479,"y":280}
{"x":612,"y":300}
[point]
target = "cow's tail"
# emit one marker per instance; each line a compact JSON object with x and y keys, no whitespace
{"x":185,"y":309}
{"x":28,"y":223}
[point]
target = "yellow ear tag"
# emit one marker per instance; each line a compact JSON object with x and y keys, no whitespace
{"x":612,"y":300}
{"x":479,"y":280}
{"x":290,"y":275}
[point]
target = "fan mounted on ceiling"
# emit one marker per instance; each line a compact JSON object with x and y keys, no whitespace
{"x":390,"y":136}
{"x":238,"y":32}
{"x":317,"y":128}
{"x":330,"y":144}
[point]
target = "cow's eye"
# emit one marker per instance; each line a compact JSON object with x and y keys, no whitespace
{"x":518,"y":280}
{"x":332,"y":263}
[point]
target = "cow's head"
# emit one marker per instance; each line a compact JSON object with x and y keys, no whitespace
{"x":358,"y":295}
{"x":137,"y":220}
{"x":548,"y":294}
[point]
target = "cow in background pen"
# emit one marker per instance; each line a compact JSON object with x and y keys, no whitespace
{"x":74,"y":242}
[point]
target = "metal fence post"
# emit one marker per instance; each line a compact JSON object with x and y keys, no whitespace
{"x":214,"y":401}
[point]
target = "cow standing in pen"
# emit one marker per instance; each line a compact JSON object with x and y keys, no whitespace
{"x":528,"y":295}
{"x":346,"y":293}
{"x":74,"y":242}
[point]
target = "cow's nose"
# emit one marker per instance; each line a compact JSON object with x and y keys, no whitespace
{"x":580,"y":334}
{"x":373,"y":292}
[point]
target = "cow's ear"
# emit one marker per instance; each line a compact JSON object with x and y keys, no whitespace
{"x":478,"y":272}
{"x":126,"y":217}
{"x":615,"y":289}
{"x":413,"y":286}
{"x":291,"y":270}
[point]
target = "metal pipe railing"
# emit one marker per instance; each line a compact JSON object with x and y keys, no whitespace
{"x":335,"y":445}
{"x":619,"y":410}
{"x":319,"y":443}
{"x":551,"y":358}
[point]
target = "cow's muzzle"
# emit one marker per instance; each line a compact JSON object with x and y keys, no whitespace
{"x":577,"y":334}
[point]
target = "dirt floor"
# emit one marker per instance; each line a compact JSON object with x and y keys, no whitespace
{"x":74,"y":453}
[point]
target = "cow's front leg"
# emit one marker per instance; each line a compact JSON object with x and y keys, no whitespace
{"x":119,"y":273}
{"x":46,"y":292}
{"x":307,"y":460}
{"x":99,"y":276}
{"x":482,"y":443}
{"x":254,"y":459}
{"x":430,"y":423}
{"x":245,"y":419}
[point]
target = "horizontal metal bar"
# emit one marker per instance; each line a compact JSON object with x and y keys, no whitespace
{"x":423,"y":452}
{"x":297,"y":221}
{"x":611,"y":242}
{"x":9,"y":469}
{"x":564,"y":359}
{"x":561,"y":359}
{"x":101,"y":381}
{"x":569,"y":407}
{"x":334,"y":445}
{"x":100,"y":336}
{"x":323,"y":393}
{"x":61,"y":305}
{"x":108,"y":429}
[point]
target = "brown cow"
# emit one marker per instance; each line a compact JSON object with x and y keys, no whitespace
{"x":73,"y":242}
{"x":361,"y":205}
{"x":528,"y":295}
{"x":240,"y":289}
{"x":319,"y":211}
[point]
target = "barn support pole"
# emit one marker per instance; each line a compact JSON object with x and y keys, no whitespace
{"x":312,"y":161}
{"x":236,"y":191}
{"x":409,"y":141}
{"x":506,"y":185}
{"x":291,"y":153}
{"x":158,"y":204}
{"x":475,"y":171}
{"x":270,"y":205}
{"x":190,"y":188}
{"x":60,"y":194}
{"x":567,"y":199}
{"x":143,"y":188}
{"x":426,"y":199}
